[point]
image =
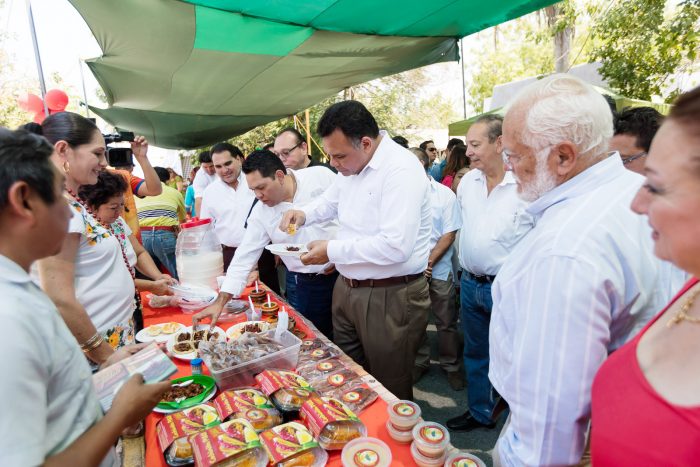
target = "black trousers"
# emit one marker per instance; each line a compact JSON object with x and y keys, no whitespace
{"x":266,"y":267}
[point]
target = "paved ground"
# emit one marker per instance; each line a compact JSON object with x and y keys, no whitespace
{"x":439,"y":402}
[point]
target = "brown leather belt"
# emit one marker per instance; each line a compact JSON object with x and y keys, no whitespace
{"x":386,"y":282}
{"x":150,"y":228}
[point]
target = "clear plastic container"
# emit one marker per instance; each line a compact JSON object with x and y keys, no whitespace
{"x":431,"y":439}
{"x":244,"y":374}
{"x":463,"y":459}
{"x":403,"y":437}
{"x":403,"y":414}
{"x":366,"y":452}
{"x":198,"y":254}
{"x":425,"y":461}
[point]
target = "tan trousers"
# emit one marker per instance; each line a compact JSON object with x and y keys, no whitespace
{"x":381,"y":327}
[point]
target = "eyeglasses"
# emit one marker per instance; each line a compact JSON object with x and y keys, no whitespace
{"x":285,"y":152}
{"x":627,"y":160}
{"x":432,"y":149}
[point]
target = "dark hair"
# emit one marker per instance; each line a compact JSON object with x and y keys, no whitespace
{"x":422,"y":157}
{"x":454,"y":142}
{"x":401,"y":141}
{"x":350,"y":117}
{"x":70,"y":127}
{"x":163,"y":173}
{"x":31,"y":127}
{"x":294,"y":131}
{"x":221,"y":147}
{"x":26,"y":157}
{"x":686,"y":112}
{"x":458,"y":160}
{"x":640,"y":122}
{"x":424,"y":144}
{"x":204,"y":156}
{"x":265,"y":162}
{"x":495,"y":125}
{"x":108,"y":186}
{"x":268,"y":146}
{"x":611,"y":103}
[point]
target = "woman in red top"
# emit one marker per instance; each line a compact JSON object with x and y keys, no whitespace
{"x":646,"y":396}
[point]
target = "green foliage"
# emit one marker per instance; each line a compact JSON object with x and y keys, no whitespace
{"x":640,"y":49}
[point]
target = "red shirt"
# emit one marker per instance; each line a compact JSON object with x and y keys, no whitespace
{"x":631,"y":424}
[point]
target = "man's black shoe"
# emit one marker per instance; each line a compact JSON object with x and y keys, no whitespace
{"x":466,"y":422}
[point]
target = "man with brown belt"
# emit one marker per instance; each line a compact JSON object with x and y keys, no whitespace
{"x":381,"y":301}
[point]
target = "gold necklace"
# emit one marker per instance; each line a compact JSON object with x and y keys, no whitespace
{"x":682,"y":314}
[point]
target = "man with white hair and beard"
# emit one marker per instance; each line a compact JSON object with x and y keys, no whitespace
{"x":579,"y":284}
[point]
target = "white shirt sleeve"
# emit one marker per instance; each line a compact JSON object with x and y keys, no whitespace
{"x":451,"y":216}
{"x":325,"y":208}
{"x":206,"y":209}
{"x":562,"y":321}
{"x":400,"y":222}
{"x":200,"y":183}
{"x":247,"y":255}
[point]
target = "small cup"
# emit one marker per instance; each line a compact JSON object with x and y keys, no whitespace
{"x":431,"y":439}
{"x":370,"y":452}
{"x":463,"y":459}
{"x":403,"y":437}
{"x":425,"y":461}
{"x":403,"y":414}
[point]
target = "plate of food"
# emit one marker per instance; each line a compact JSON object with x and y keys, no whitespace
{"x":184,"y":344}
{"x":159,"y":332}
{"x":234,"y":332}
{"x":187,"y":392}
{"x":287,"y":249}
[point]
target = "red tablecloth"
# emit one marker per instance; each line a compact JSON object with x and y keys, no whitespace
{"x":374,"y":417}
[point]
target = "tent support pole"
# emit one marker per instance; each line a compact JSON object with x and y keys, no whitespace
{"x":464,"y":85}
{"x":37,"y":56}
{"x":82,"y":81}
{"x":308,"y":130}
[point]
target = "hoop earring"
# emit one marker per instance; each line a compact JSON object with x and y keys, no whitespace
{"x":66,"y":167}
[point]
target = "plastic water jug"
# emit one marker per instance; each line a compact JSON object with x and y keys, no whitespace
{"x":198,"y":254}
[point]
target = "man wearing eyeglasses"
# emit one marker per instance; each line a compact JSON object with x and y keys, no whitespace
{"x":291,"y":148}
{"x":634,"y":130}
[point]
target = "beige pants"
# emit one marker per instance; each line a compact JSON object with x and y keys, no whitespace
{"x":381,"y":327}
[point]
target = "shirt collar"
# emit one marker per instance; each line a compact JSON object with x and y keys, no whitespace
{"x":508,"y":178}
{"x":380,"y":154}
{"x":598,"y":174}
{"x":12,"y":272}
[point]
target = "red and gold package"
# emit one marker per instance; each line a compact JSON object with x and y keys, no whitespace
{"x":331,"y":422}
{"x":356,"y":396}
{"x":292,"y":444}
{"x":235,"y":442}
{"x":319,"y":353}
{"x":312,"y":369}
{"x":287,"y":390}
{"x":174,"y":429}
{"x":334,"y":381}
{"x":250,"y":404}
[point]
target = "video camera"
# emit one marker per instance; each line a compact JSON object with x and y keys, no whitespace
{"x":119,"y":157}
{"x":119,"y":137}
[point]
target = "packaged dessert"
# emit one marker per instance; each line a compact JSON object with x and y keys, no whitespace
{"x":307,"y":345}
{"x":317,"y":354}
{"x":356,"y":396}
{"x":287,"y":390}
{"x":173,"y":432}
{"x":366,"y":452}
{"x":331,"y":422}
{"x":425,"y":461}
{"x":400,"y":436}
{"x":463,"y":459}
{"x":431,"y":439}
{"x":403,"y":414}
{"x":291,"y":445}
{"x":250,"y":404}
{"x":336,"y":380}
{"x":233,"y":444}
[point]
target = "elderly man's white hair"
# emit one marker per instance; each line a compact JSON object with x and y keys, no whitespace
{"x":562,"y":108}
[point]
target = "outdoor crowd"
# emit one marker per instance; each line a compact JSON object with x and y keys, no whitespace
{"x":575,"y":275}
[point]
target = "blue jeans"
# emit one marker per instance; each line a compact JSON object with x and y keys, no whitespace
{"x":312,"y":296}
{"x":160,"y":244}
{"x":476,"y":304}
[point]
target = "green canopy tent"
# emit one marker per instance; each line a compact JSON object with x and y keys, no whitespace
{"x":461,"y":127}
{"x":189,"y":73}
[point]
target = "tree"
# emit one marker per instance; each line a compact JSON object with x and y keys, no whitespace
{"x":641,"y":48}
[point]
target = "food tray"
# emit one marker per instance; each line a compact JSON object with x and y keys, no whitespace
{"x":244,"y":373}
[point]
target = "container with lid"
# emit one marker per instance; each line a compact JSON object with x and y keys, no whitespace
{"x":403,"y":437}
{"x":426,"y":461}
{"x":291,"y":444}
{"x":198,"y":254}
{"x":366,"y":452}
{"x":431,"y":439}
{"x":403,"y":414}
{"x":463,"y":459}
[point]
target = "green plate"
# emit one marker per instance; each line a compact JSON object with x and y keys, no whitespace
{"x":206,"y":381}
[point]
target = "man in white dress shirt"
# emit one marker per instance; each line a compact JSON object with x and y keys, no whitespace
{"x":228,"y":202}
{"x":278,"y":189}
{"x":205,"y":175}
{"x":493,"y":221}
{"x":447,"y":220}
{"x":381,"y":301}
{"x":576,"y":287}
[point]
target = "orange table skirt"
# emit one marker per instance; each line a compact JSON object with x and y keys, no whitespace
{"x":374,"y":417}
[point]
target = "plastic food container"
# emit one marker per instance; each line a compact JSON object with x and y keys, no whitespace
{"x":425,"y":461}
{"x":258,"y":297}
{"x":244,"y":373}
{"x":269,"y":308}
{"x":403,"y":414}
{"x":403,"y":437}
{"x":431,"y":439}
{"x":366,"y":452}
{"x":191,"y":298}
{"x":291,"y":444}
{"x":198,"y":254}
{"x":331,"y":422}
{"x":463,"y":459}
{"x":233,"y":444}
